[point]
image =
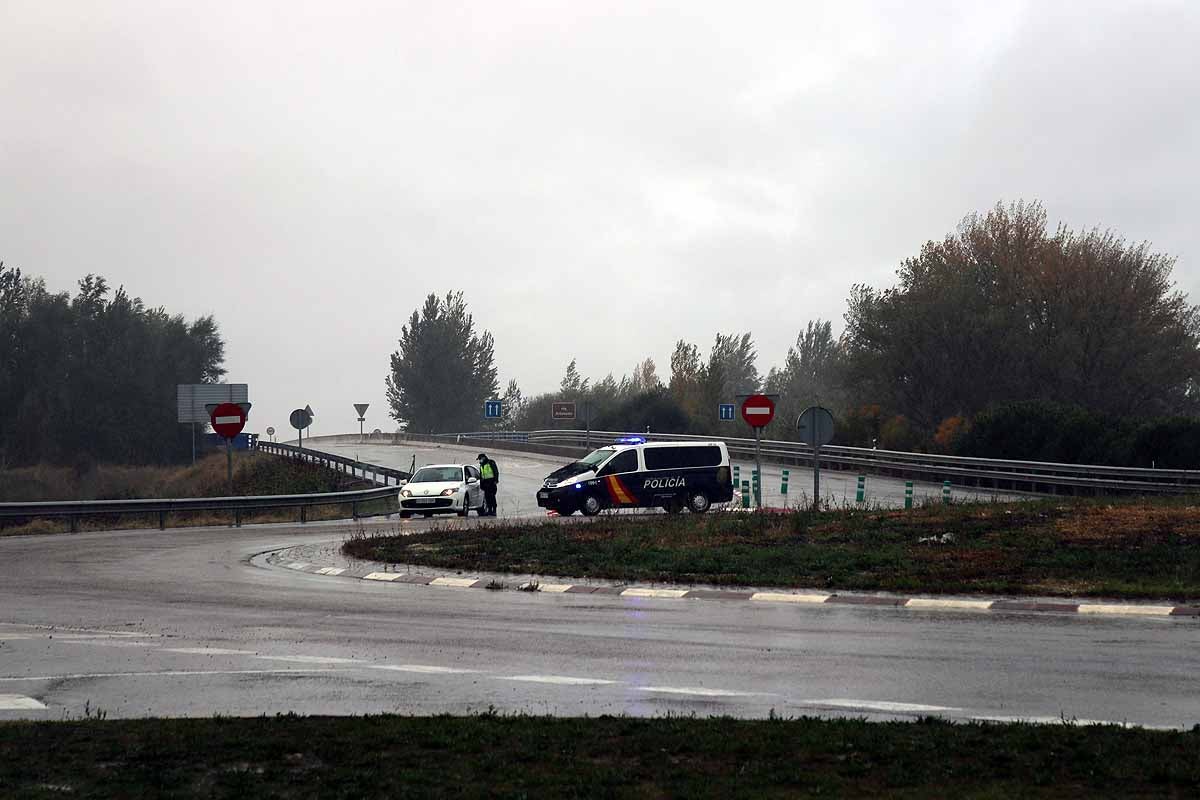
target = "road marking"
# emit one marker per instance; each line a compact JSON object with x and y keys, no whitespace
{"x":108,"y":643}
{"x":297,"y":565}
{"x":696,"y":690}
{"x":562,"y":680}
{"x":311,"y":659}
{"x":636,"y":592}
{"x":381,"y":576}
{"x":424,"y":669}
{"x":461,"y":583}
{"x":787,"y":597}
{"x":961,"y":605}
{"x":553,"y":588}
{"x":878,"y":705}
{"x":208,"y":651}
{"x":330,"y":571}
{"x":166,"y":673}
{"x":19,"y":702}
{"x":1139,"y":611}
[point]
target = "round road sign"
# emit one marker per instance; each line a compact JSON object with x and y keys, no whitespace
{"x":815,"y":426}
{"x":758,"y":410}
{"x":300,"y":419}
{"x":270,"y":431}
{"x":228,"y":419}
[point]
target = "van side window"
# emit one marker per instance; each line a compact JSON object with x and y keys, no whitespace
{"x":622,"y":462}
{"x":682,"y":457}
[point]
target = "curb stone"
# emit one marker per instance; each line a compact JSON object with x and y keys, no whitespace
{"x":302,"y":560}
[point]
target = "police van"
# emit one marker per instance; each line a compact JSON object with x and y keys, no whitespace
{"x":668,"y":475}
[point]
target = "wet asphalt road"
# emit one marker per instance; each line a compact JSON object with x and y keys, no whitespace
{"x":181,"y":623}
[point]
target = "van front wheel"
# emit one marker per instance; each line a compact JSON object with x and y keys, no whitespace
{"x":590,"y":506}
{"x":698,"y":502}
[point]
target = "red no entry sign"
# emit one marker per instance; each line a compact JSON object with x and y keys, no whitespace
{"x":228,"y":419}
{"x":758,"y":410}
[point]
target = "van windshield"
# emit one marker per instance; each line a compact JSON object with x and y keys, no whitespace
{"x":597,"y":456}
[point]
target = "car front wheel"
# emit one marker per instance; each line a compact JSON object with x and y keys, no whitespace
{"x":591,"y":506}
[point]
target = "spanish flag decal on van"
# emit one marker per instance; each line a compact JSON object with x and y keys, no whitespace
{"x":617,"y":491}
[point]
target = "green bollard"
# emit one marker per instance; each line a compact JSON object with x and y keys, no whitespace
{"x":745,"y":494}
{"x":861,"y":494}
{"x":783,"y":483}
{"x":946,"y":492}
{"x":908,"y":494}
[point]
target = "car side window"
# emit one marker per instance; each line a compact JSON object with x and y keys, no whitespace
{"x":472,"y":473}
{"x":622,"y":462}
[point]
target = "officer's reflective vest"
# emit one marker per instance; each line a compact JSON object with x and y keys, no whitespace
{"x":488,"y":472}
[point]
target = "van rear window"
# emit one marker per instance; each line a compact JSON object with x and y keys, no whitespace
{"x":681,"y":457}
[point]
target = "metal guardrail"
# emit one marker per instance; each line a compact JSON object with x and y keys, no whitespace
{"x":377,"y":473}
{"x":1037,"y":477}
{"x":381,"y":475}
{"x":238,"y":505}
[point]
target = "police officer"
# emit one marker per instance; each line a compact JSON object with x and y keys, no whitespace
{"x":490,"y":481}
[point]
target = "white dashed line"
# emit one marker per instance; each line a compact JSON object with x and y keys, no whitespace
{"x":331,"y":571}
{"x":788,"y":597}
{"x":696,"y":690}
{"x":636,"y":592}
{"x":19,"y":702}
{"x":167,"y":673}
{"x":424,"y":669}
{"x":461,"y":583}
{"x":885,"y":706}
{"x":381,"y":576}
{"x":208,"y":651}
{"x":310,"y":659}
{"x":553,"y":588}
{"x":297,"y":565}
{"x":1137,"y":611}
{"x":561,"y":680}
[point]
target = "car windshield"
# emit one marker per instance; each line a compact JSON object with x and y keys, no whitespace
{"x":438,"y":475}
{"x":597,"y":456}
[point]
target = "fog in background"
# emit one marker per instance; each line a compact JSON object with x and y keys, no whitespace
{"x":600,"y":183}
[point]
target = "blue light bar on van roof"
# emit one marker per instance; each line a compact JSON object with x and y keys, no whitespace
{"x":631,"y":440}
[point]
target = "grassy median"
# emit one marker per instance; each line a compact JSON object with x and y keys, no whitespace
{"x":499,"y":756}
{"x":1129,"y":548}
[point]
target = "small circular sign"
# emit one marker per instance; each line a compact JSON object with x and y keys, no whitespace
{"x":228,"y":419}
{"x":758,"y":410}
{"x":815,"y":426}
{"x":271,"y":431}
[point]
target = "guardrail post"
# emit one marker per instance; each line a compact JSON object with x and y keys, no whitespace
{"x":908,"y":492}
{"x":237,"y":517}
{"x":946,"y":492}
{"x":162,"y":520}
{"x":354,"y":510}
{"x":74,"y":523}
{"x":303,"y":514}
{"x":861,"y":495}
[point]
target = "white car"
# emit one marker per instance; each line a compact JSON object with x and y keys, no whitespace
{"x":442,"y":488}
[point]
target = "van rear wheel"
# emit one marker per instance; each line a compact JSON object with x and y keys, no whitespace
{"x":591,"y":506}
{"x":698,"y":502}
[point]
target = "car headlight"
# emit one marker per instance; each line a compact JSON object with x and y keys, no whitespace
{"x":405,"y":493}
{"x":449,"y":492}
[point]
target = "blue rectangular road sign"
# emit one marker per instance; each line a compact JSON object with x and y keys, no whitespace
{"x":725,"y":411}
{"x":492,"y":409}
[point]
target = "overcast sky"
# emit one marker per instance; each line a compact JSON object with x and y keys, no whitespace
{"x":600,"y":183}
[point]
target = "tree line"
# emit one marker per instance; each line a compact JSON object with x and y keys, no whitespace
{"x":91,"y":377}
{"x":1000,"y":323}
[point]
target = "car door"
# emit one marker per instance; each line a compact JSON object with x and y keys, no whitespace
{"x":474,"y":491}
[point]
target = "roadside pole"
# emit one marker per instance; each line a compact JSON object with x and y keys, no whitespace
{"x":758,"y":467}
{"x":817,"y":477}
{"x":815,"y":426}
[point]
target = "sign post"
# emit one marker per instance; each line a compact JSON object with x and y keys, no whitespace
{"x":758,"y":410}
{"x":816,"y":428}
{"x":361,"y":408}
{"x":300,"y":419}
{"x":228,"y":419}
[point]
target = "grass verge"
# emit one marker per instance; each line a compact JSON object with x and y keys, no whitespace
{"x":1144,"y":548}
{"x":519,"y":756}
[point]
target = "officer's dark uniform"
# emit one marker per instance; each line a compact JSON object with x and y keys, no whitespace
{"x":490,"y":481}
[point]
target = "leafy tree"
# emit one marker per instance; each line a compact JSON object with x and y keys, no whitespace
{"x":655,"y":410}
{"x":573,"y":384}
{"x":811,"y":375}
{"x":1005,"y":311}
{"x":686,"y":378}
{"x":513,"y":404}
{"x":93,"y":377}
{"x":443,"y":370}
